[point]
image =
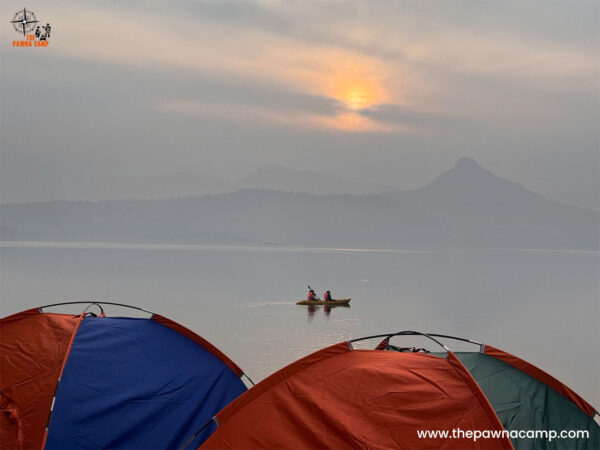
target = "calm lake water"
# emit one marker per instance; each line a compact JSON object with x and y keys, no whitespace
{"x":543,"y":306}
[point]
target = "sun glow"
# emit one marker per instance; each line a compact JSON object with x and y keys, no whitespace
{"x":355,"y":93}
{"x":356,"y":99}
{"x":358,"y":93}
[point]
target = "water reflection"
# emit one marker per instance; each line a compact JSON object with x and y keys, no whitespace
{"x":311,"y":311}
{"x":326,"y":310}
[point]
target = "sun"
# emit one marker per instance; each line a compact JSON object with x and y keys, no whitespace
{"x":357,"y":99}
{"x":356,"y":90}
{"x":356,"y":94}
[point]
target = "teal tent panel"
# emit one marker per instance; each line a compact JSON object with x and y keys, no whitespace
{"x":524,"y":403}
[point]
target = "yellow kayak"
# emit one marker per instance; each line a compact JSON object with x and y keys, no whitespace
{"x":338,"y":302}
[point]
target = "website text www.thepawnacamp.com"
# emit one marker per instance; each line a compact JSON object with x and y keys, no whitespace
{"x":475,"y":435}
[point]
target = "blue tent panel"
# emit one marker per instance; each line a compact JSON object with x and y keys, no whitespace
{"x":134,"y":383}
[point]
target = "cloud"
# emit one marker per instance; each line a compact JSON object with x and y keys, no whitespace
{"x":232,"y":85}
{"x":408,"y":117}
{"x":385,"y":58}
{"x":217,"y":50}
{"x":262,"y":116}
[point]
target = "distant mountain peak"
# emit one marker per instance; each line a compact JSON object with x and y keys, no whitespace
{"x":469,"y":169}
{"x":468,"y":183}
{"x":467,"y":163}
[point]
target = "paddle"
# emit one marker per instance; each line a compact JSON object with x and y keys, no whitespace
{"x":316,"y":296}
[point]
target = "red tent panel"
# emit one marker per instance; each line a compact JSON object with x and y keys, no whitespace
{"x":29,"y":369}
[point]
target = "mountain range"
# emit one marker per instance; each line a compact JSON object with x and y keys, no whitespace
{"x":465,"y":207}
{"x":193,"y":184}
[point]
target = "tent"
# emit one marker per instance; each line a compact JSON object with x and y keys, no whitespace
{"x":92,"y":381}
{"x":344,"y":397}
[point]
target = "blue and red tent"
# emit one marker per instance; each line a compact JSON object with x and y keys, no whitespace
{"x":92,"y":381}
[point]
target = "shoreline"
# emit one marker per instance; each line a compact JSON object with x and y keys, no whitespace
{"x":271,"y":247}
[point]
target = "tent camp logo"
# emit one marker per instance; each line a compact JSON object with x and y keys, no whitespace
{"x":34,"y":32}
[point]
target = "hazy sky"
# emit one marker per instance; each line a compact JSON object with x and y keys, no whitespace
{"x":389,"y":92}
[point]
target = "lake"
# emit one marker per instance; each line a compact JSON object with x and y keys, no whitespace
{"x":543,"y":306}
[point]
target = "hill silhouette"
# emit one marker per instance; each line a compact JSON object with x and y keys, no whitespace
{"x":465,"y":207}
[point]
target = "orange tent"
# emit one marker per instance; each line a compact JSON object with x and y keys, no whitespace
{"x":388,"y":397}
{"x":344,"y":398}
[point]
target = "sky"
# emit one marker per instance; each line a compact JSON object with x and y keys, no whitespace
{"x":386,"y":92}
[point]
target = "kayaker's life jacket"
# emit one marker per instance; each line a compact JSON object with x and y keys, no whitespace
{"x":311,"y":296}
{"x":327,"y":296}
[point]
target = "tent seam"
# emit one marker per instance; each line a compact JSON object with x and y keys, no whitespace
{"x":62,"y":368}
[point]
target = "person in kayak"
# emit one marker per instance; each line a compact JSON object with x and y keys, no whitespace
{"x":327,"y":296}
{"x":312,"y":297}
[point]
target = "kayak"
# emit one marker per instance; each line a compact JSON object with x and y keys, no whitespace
{"x":338,"y":302}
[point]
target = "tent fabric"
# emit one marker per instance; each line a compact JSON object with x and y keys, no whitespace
{"x":541,"y":376}
{"x":80,"y":381}
{"x":343,"y":398}
{"x":526,"y":402}
{"x":32,"y":349}
{"x":200,"y":341}
{"x":475,"y":389}
{"x":135,"y":383}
